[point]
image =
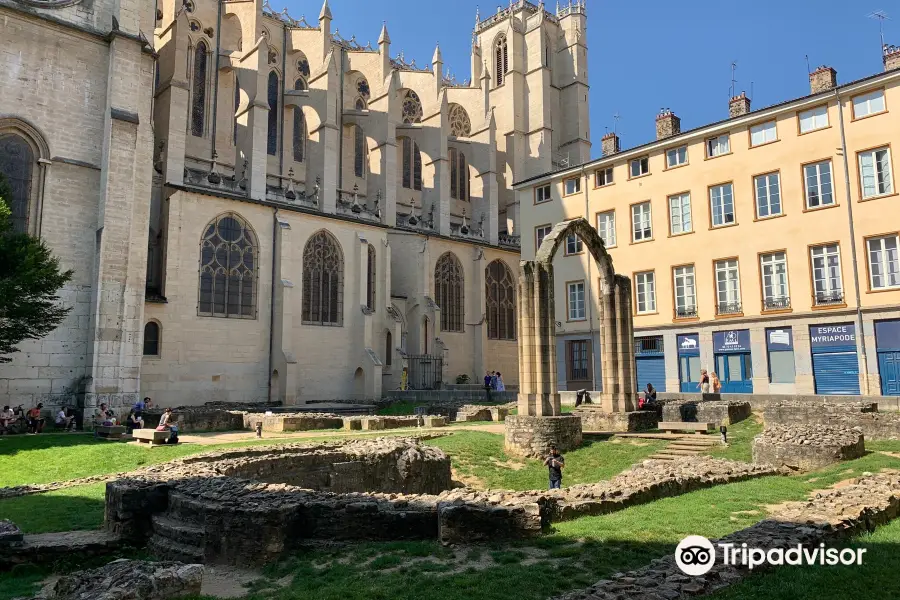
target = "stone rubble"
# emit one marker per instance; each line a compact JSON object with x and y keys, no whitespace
{"x":807,"y":447}
{"x":128,"y":580}
{"x":875,"y":425}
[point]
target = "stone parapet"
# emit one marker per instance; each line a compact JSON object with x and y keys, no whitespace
{"x":594,"y":418}
{"x":723,"y":412}
{"x":807,"y":447}
{"x":532,"y":436}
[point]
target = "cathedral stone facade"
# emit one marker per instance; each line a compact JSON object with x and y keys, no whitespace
{"x":258,"y":208}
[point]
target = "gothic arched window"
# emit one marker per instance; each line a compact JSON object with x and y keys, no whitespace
{"x":228,"y":269}
{"x":198,"y":100}
{"x":359,"y":152}
{"x":388,"y":349}
{"x":448,"y":291}
{"x":17,"y":165}
{"x":459,"y":175}
{"x":299,"y":136}
{"x":362,"y":87}
{"x":323,"y":281}
{"x":272,"y":145}
{"x":500,"y":295}
{"x":360,"y":104}
{"x":151,"y":339}
{"x":370,"y":280}
{"x":411,"y":165}
{"x":501,"y":60}
{"x":547,"y":60}
{"x":460,"y":125}
{"x":412,"y":108}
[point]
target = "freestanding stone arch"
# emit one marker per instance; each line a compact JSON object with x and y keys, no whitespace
{"x":538,"y":387}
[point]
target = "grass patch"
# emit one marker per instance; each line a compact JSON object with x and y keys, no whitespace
{"x":740,"y":440}
{"x":401,"y":408}
{"x":68,"y":509}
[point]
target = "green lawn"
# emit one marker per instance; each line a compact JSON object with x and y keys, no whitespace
{"x":740,"y":440}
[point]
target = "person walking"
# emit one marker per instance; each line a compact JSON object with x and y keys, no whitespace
{"x":494,"y":380}
{"x":704,"y":381}
{"x":501,"y":387}
{"x":555,"y":463}
{"x":716,"y":384}
{"x":487,"y":385}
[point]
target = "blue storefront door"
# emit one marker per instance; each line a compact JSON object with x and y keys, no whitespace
{"x":887,"y":339}
{"x":733,"y":363}
{"x":689,"y":363}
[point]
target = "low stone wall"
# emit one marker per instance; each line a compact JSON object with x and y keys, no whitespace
{"x":807,"y":447}
{"x":128,"y":580}
{"x":48,"y":548}
{"x":875,"y":425}
{"x":826,"y":517}
{"x":434,"y":421}
{"x":593,"y":418}
{"x":477,"y":412}
{"x":722,"y":412}
{"x":761,"y":401}
{"x":447,"y":401}
{"x":192,"y":419}
{"x":532,"y":436}
{"x":379,"y":423}
{"x":283,"y":422}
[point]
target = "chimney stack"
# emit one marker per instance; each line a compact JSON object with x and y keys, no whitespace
{"x":822,"y":79}
{"x":739,"y":105}
{"x":891,"y":57}
{"x":667,"y":124}
{"x":609,"y":144}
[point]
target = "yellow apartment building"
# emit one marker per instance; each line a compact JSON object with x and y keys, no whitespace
{"x":763,"y":247}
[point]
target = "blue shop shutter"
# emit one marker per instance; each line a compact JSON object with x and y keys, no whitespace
{"x":836,"y":373}
{"x":651,"y":369}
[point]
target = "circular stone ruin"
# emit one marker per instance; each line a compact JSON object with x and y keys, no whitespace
{"x":531,"y":436}
{"x":807,"y":447}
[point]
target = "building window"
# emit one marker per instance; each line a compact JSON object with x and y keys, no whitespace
{"x":718,"y":146}
{"x":459,"y":175}
{"x":412,"y":165}
{"x":721,"y":200}
{"x":388,"y":349}
{"x":359,"y":151}
{"x":575,"y":294}
{"x":17,"y":165}
{"x":198,"y":99}
{"x":572,"y":185}
{"x":779,"y":343}
{"x":542,"y":194}
{"x":763,"y":133}
{"x":775,"y":281}
{"x":237,"y":106}
{"x":685,"y":292}
{"x":606,"y":227}
{"x":645,"y":285}
{"x":539,"y":234}
{"x":641,"y":222}
{"x":868,"y":104}
{"x":578,"y":353}
{"x":603,"y":177}
{"x":884,"y":265}
{"x":370,"y":279}
{"x":818,"y":184}
{"x":875,"y":172}
{"x":828,"y":287}
{"x":460,"y":125}
{"x":547,"y":51}
{"x":675,"y":157}
{"x":680,"y":214}
{"x":814,"y":118}
{"x":412,"y":108}
{"x":501,"y":60}
{"x":574,"y":245}
{"x":360,"y":104}
{"x":500,"y":295}
{"x":323,"y":281}
{"x":448,"y":291}
{"x":299,"y":137}
{"x":228,"y":269}
{"x":151,"y":339}
{"x":768,"y":195}
{"x":273,"y":93}
{"x":639,"y":166}
{"x":728,"y":287}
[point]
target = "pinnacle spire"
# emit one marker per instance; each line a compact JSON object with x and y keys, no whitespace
{"x":384,"y":38}
{"x":437,"y":54}
{"x":326,"y":11}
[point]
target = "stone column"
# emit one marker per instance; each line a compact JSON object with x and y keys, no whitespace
{"x":526,"y":338}
{"x":759,"y":359}
{"x":284,"y":357}
{"x":804,"y":383}
{"x":252,"y":117}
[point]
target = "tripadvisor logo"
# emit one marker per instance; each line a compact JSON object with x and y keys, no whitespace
{"x":696,"y":555}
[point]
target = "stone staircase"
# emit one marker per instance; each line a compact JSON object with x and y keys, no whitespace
{"x":176,"y":534}
{"x":687,"y":445}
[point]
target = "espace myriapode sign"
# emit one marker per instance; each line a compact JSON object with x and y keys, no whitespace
{"x":823,"y":336}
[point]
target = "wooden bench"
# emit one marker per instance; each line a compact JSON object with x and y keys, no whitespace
{"x":680,"y":426}
{"x":109,"y":432}
{"x":150,"y":436}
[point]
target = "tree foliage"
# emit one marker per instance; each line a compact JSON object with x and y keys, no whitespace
{"x":30,"y":278}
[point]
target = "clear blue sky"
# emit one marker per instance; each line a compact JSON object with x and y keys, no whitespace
{"x":654,"y":54}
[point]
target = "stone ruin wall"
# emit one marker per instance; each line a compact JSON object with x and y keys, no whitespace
{"x":719,"y":412}
{"x":807,"y":447}
{"x":874,"y":425}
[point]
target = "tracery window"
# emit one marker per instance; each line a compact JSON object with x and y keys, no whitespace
{"x":411,"y":165}
{"x":303,"y":67}
{"x":272,"y":145}
{"x":448,"y":291}
{"x":17,"y":165}
{"x":460,"y":125}
{"x":299,"y":137}
{"x":459,"y":175}
{"x":323,"y":281}
{"x":370,"y":280}
{"x":501,"y":301}
{"x":501,"y":60}
{"x":360,"y":104}
{"x":412,"y":108}
{"x":228,"y":269}
{"x":198,"y":99}
{"x":362,"y":87}
{"x":359,"y":152}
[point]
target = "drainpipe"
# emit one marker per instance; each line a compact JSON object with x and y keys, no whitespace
{"x":590,"y":291}
{"x":215,"y":101}
{"x":272,"y":302}
{"x":860,"y":333}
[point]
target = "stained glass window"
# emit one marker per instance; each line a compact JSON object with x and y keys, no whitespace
{"x":501,"y":60}
{"x":501,"y":301}
{"x":370,"y":280}
{"x":17,"y":165}
{"x":460,"y":125}
{"x":198,"y":101}
{"x":411,"y":165}
{"x":448,"y":291}
{"x":359,"y":152}
{"x":412,"y":108}
{"x":323,"y":281}
{"x":303,"y":67}
{"x":299,"y":127}
{"x":459,"y":175}
{"x":272,"y":146}
{"x":362,"y":86}
{"x":228,"y":269}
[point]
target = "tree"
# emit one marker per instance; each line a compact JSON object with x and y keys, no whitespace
{"x":30,"y":277}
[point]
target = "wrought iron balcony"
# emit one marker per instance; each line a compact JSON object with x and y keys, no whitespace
{"x":829,"y":298}
{"x":729,"y":308}
{"x":776,"y":303}
{"x":686,"y":312}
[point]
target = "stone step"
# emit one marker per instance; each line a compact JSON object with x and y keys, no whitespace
{"x":697,"y":449}
{"x":662,"y":457}
{"x":698,"y":441}
{"x":677,"y":452}
{"x":168,"y":549}
{"x":185,"y":510}
{"x":177,"y":530}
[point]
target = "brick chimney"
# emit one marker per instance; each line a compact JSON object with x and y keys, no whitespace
{"x":609,"y":143}
{"x":822,"y":79}
{"x":739,"y":105}
{"x":667,"y":124}
{"x":891,"y":57}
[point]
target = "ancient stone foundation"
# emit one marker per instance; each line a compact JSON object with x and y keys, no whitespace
{"x":475,"y":412}
{"x":594,"y":418}
{"x":532,"y":436}
{"x":722,"y":412}
{"x":282,"y":422}
{"x":807,"y":447}
{"x":875,"y":425}
{"x":128,"y":580}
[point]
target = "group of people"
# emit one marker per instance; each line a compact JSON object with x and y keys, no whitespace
{"x":33,"y":419}
{"x":105,"y":416}
{"x":709,"y":381}
{"x":493,"y":382}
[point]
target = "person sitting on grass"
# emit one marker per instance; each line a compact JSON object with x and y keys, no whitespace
{"x":65,"y":421}
{"x":33,"y":419}
{"x":167,"y":423}
{"x":134,"y":421}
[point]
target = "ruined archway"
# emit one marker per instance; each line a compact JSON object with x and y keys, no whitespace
{"x":538,"y":392}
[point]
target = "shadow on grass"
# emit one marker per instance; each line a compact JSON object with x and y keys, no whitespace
{"x":13,"y":444}
{"x":69,"y":509}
